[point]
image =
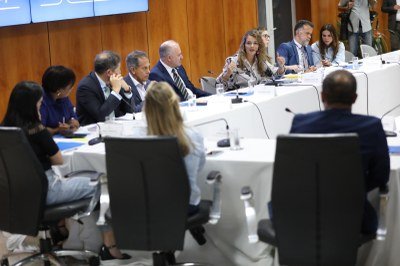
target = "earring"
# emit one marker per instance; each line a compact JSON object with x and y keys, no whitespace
{"x":58,"y":93}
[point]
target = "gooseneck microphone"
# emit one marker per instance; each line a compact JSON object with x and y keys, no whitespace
{"x":389,"y":133}
{"x":96,"y":139}
{"x":130,"y":106}
{"x":289,"y":111}
{"x":222,"y":142}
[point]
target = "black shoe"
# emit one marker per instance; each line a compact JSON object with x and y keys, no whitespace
{"x":107,"y":258}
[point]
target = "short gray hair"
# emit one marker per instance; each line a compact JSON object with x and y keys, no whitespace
{"x":165,"y":48}
{"x":132,"y":59}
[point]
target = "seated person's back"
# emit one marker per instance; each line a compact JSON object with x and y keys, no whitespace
{"x":338,"y":95}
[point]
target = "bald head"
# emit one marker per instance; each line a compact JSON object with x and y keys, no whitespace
{"x":170,"y":53}
{"x":339,"y":89}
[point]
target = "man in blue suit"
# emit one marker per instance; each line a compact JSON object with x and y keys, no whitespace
{"x":138,"y":65}
{"x":298,"y":52}
{"x":169,"y":69}
{"x":338,"y":95}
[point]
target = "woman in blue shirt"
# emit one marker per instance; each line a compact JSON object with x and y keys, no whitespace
{"x":164,"y":118}
{"x":57,"y":112}
{"x":328,"y":50}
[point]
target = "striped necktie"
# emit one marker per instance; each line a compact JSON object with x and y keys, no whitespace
{"x":180,"y":85}
{"x":305,"y":57}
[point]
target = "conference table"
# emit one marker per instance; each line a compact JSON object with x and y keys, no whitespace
{"x":260,"y":119}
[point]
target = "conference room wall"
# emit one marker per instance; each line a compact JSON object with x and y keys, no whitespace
{"x":207,"y":30}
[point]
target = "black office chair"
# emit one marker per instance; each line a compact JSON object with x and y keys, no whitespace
{"x":317,"y":201}
{"x":22,"y":204}
{"x":149,"y":197}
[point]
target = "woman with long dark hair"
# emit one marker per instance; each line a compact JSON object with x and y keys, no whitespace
{"x":328,"y":49}
{"x":23,"y":112}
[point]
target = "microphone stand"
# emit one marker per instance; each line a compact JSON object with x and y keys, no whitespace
{"x":223,"y":142}
{"x":390,"y":133}
{"x":98,"y":139}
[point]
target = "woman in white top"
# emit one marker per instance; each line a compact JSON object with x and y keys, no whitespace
{"x":249,"y":63}
{"x":328,"y":50}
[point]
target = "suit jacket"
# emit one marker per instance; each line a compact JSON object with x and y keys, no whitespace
{"x":373,"y":145}
{"x":136,"y":96}
{"x":91,"y":105}
{"x":160,"y":73}
{"x":288,"y":50}
{"x":387,"y":7}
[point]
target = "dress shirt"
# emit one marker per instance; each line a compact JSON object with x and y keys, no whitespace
{"x":53,"y":111}
{"x":339,"y":58}
{"x":104,"y":87}
{"x":359,"y":13}
{"x":398,"y":11}
{"x":169,"y":69}
{"x":139,"y":86}
{"x":301,"y":52}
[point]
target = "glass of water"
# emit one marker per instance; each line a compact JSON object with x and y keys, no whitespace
{"x":192,"y":102}
{"x":355,"y":62}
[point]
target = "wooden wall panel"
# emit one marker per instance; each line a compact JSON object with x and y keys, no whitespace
{"x":303,"y":9}
{"x":74,"y":44}
{"x":206,"y":31}
{"x":123,"y":34}
{"x":24,"y":55}
{"x":167,"y":19}
{"x":239,"y":17}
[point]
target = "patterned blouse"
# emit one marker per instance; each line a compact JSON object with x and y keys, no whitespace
{"x":241,"y":76}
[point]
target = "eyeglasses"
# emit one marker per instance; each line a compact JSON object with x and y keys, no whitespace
{"x":251,"y":43}
{"x":265,"y":36}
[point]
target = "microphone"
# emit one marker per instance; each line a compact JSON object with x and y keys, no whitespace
{"x":96,"y":139}
{"x":222,"y":142}
{"x":389,"y":133}
{"x":130,"y":106}
{"x":289,"y":111}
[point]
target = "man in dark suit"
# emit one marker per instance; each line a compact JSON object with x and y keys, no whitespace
{"x":169,"y":69}
{"x":103,"y":92}
{"x":338,"y":95}
{"x":298,"y":52}
{"x":392,"y":8}
{"x":138,"y":65}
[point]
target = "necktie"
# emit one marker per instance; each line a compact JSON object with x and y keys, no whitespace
{"x":180,"y":85}
{"x":305,"y":59}
{"x":107,"y":91}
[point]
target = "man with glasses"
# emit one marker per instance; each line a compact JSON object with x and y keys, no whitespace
{"x":298,"y":52}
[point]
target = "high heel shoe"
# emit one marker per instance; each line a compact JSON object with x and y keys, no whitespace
{"x":108,"y":259}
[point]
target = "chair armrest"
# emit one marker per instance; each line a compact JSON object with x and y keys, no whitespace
{"x":94,"y":178}
{"x":93,"y":175}
{"x":251,"y":219}
{"x":383,"y":201}
{"x":104,"y":202}
{"x":214,"y":178}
